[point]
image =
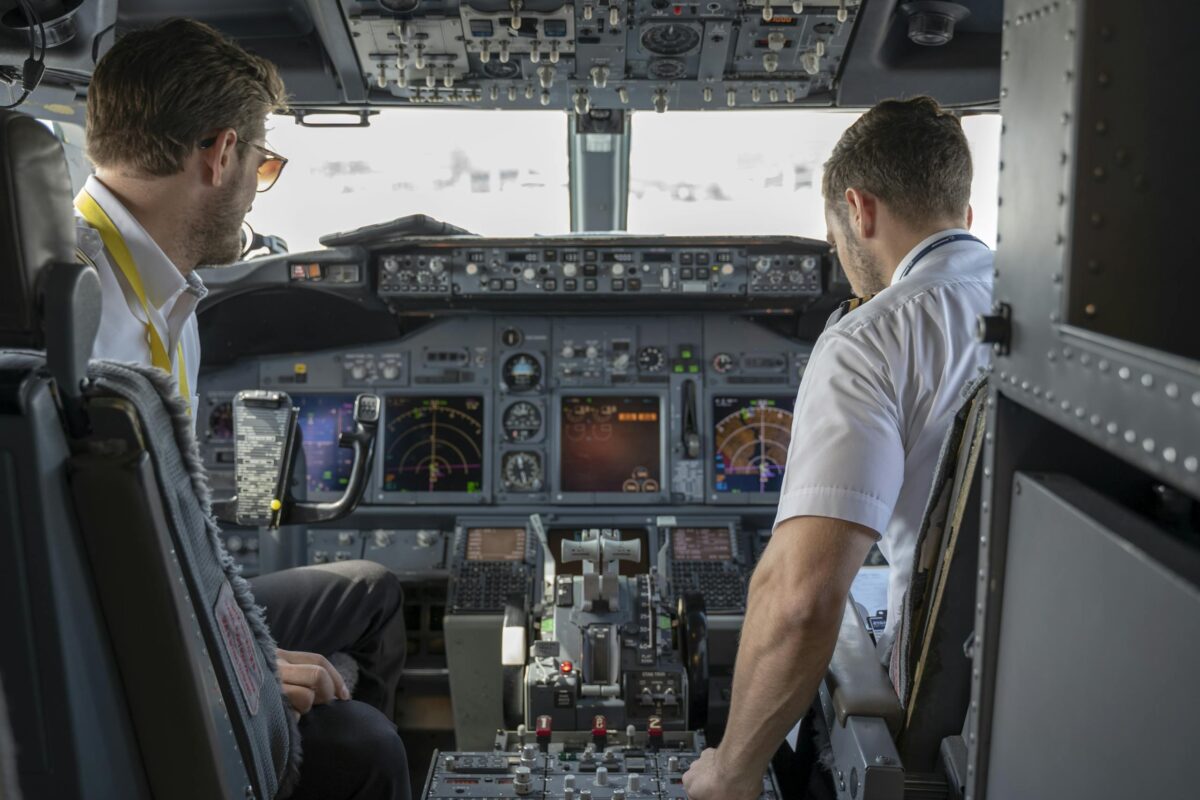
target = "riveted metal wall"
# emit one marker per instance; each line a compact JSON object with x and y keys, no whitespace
{"x":1099,"y":380}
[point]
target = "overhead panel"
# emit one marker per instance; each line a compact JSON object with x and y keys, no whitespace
{"x":596,"y":54}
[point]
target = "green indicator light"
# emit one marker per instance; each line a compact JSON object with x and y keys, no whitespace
{"x":694,"y":368}
{"x":679,"y":367}
{"x":686,"y":354}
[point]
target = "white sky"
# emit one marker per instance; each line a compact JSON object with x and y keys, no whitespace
{"x":506,"y":173}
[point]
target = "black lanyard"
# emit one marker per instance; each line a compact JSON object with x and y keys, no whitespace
{"x":945,"y":240}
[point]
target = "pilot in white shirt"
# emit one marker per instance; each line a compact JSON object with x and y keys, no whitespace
{"x":170,"y":296}
{"x":880,"y":391}
{"x":877,"y":398}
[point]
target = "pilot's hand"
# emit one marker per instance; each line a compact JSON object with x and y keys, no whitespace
{"x":709,"y":779}
{"x":308,"y":680}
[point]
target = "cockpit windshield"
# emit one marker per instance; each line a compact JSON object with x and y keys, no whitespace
{"x":491,"y":173}
{"x":693,"y":172}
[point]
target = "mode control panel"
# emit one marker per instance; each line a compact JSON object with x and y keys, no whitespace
{"x":560,"y":267}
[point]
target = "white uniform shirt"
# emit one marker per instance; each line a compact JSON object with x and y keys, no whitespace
{"x":172,"y":298}
{"x":878,"y":396}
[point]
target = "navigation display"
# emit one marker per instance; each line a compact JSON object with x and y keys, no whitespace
{"x":322,"y":417}
{"x":495,"y":544}
{"x":433,"y":444}
{"x":701,"y":544}
{"x":556,"y":536}
{"x":611,"y":444}
{"x":751,"y":437}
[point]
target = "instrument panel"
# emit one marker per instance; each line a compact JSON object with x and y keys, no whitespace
{"x":558,"y":410}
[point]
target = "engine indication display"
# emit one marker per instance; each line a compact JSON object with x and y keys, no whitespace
{"x":322,"y":417}
{"x":751,"y":437}
{"x":611,"y":444}
{"x":433,"y":444}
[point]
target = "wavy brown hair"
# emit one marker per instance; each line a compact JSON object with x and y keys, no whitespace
{"x":158,"y":91}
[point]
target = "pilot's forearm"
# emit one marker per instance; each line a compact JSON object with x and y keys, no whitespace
{"x":797,"y":599}
{"x":781,"y":661}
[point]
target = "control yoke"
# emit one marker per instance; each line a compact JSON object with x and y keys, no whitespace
{"x":265,"y":439}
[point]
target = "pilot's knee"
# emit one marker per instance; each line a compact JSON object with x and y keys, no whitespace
{"x":352,"y":750}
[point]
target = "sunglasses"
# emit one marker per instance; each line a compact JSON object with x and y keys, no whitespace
{"x":268,"y":171}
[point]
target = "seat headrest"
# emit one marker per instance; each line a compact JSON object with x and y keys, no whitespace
{"x":37,"y":225}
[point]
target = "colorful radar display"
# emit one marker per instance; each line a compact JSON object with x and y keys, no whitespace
{"x":433,"y":444}
{"x":752,"y":437}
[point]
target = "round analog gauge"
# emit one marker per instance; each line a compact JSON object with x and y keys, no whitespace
{"x":522,"y":421}
{"x":522,"y":472}
{"x":722,"y":363}
{"x":650,"y":359}
{"x":522,"y":373}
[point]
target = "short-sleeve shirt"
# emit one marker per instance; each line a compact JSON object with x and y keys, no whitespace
{"x":878,"y":396}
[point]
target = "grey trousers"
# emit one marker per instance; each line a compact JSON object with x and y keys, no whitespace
{"x":355,"y":607}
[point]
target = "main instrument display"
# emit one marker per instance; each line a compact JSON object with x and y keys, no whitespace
{"x":322,"y":417}
{"x":433,"y":444}
{"x":750,"y":443}
{"x":611,"y":444}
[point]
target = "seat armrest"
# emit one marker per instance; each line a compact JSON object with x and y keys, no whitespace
{"x":857,"y":682}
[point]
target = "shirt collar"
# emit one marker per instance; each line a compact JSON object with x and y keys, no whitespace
{"x":161,"y":278}
{"x":921,"y":245}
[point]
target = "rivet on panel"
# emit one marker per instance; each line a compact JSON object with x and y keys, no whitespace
{"x":1101,"y":127}
{"x":1130,"y":437}
{"x":1025,"y":386}
{"x":1098,"y":173}
{"x":1191,"y":463}
{"x":1050,"y":356}
{"x":1148,"y":445}
{"x":1067,"y":353}
{"x":1113,"y":429}
{"x":1090,"y":309}
{"x":1085,"y":359}
{"x":1065,"y":405}
{"x":1169,"y":455}
{"x":1095,"y":420}
{"x":1102,"y":366}
{"x":1172,"y":391}
{"x":1148,"y":380}
{"x":1049,"y":397}
{"x":1196,"y":399}
{"x":1080,"y":413}
{"x":1124,"y":373}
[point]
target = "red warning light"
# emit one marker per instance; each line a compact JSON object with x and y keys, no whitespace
{"x":566,"y":667}
{"x":678,"y":10}
{"x":599,"y":725}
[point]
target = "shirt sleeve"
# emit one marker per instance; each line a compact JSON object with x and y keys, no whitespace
{"x":846,"y":457}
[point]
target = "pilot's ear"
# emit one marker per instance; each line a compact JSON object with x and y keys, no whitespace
{"x":217,"y":159}
{"x":970,"y":216}
{"x":863,"y":208}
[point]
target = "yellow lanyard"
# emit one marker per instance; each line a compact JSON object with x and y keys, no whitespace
{"x":115,"y":244}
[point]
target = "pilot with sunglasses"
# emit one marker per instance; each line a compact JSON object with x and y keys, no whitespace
{"x":176,"y":132}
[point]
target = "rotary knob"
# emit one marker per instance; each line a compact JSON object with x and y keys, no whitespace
{"x":763,"y":264}
{"x":523,"y":780}
{"x":635,"y":782}
{"x":529,"y":274}
{"x":437,"y":265}
{"x":383,"y":538}
{"x":358,"y":372}
{"x":592,"y":352}
{"x":391,"y":372}
{"x":602,"y":776}
{"x":570,"y":270}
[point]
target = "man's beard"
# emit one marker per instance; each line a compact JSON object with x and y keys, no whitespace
{"x":862,"y":267}
{"x":216,"y":233}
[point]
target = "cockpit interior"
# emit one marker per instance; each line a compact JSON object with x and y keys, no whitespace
{"x":541,"y":368}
